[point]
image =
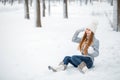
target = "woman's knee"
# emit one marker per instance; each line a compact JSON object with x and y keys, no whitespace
{"x":67,"y":57}
{"x":89,"y":64}
{"x":74,"y":57}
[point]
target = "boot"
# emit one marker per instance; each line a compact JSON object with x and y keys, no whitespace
{"x":60,"y":67}
{"x":82,"y":67}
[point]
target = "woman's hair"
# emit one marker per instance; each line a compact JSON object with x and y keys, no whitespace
{"x":90,"y":40}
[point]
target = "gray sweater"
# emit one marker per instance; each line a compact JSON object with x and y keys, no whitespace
{"x":94,"y":45}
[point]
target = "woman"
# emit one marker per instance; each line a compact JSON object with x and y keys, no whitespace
{"x":89,"y":48}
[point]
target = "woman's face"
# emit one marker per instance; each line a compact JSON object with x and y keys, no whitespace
{"x":88,"y":32}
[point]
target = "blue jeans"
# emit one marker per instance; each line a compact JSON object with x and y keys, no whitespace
{"x":75,"y":60}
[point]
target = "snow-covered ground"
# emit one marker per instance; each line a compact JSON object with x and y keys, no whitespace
{"x":26,"y":51}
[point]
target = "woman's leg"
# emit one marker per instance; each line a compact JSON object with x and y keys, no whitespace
{"x":68,"y":60}
{"x":76,"y":59}
{"x":63,"y":65}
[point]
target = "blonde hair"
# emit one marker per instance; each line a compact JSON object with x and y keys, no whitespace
{"x":90,"y":41}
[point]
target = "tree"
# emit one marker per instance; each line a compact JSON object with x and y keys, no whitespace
{"x":86,"y":2}
{"x":80,"y":2}
{"x":91,"y":2}
{"x":4,"y":2}
{"x":116,"y":15}
{"x":43,"y":1}
{"x":38,"y":13}
{"x":26,"y":9}
{"x":20,"y":1}
{"x":49,"y":7}
{"x":111,"y":2}
{"x":31,"y":2}
{"x":65,"y":11}
{"x":11,"y":1}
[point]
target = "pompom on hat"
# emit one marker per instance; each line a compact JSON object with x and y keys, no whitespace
{"x":93,"y":26}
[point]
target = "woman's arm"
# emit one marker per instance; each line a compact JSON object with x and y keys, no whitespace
{"x":95,"y":51}
{"x":75,"y":37}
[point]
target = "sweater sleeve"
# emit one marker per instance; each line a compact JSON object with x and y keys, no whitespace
{"x":96,"y":49}
{"x":75,"y":37}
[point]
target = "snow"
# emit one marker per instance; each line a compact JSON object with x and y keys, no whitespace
{"x":26,"y":51}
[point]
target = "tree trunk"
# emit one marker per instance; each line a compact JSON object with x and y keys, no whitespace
{"x":111,"y":2}
{"x":31,"y":1}
{"x":12,"y":2}
{"x":38,"y":17}
{"x":91,"y":2}
{"x":26,"y":9}
{"x":86,"y":2}
{"x":20,"y":1}
{"x":59,"y":1}
{"x":49,"y":7}
{"x":5,"y":2}
{"x":81,"y":2}
{"x":118,"y":14}
{"x":65,"y":9}
{"x":43,"y":8}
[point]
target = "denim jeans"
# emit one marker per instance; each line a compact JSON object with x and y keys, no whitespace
{"x":75,"y":60}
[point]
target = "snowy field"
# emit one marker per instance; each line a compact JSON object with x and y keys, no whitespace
{"x":26,"y":51}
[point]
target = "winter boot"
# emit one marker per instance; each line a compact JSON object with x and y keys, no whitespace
{"x":82,"y":67}
{"x":60,"y":67}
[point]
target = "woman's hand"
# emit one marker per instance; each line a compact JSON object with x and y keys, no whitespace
{"x":90,"y":50}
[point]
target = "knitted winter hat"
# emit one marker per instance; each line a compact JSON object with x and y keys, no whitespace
{"x":93,"y":26}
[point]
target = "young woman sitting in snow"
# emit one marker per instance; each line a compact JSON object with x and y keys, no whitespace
{"x":89,"y":48}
